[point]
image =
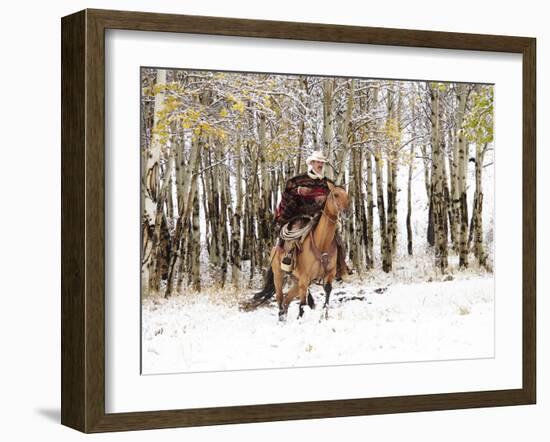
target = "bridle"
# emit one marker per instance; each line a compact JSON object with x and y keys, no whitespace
{"x":338,"y":208}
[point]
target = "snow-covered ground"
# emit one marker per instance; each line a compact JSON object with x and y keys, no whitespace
{"x":405,"y":316}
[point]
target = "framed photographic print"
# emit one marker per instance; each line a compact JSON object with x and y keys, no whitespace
{"x":267,"y":221}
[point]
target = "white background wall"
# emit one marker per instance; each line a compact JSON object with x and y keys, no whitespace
{"x":30,"y":217}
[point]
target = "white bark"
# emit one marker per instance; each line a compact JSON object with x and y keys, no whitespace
{"x":152,"y":178}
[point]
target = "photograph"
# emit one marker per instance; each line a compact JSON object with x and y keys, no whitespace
{"x":292,"y":221}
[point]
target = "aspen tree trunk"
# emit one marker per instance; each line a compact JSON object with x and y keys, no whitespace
{"x":346,"y":223}
{"x":183,"y":271}
{"x":170,"y":176}
{"x":357,"y":229}
{"x":186,"y":178}
{"x":251,"y":230}
{"x":186,"y":185}
{"x":427,"y":168}
{"x":213,"y":211}
{"x":454,"y":201}
{"x":344,"y":134}
{"x":161,"y":240}
{"x":294,"y":168}
{"x":195,"y":240}
{"x":272,"y":204}
{"x":246,"y":235}
{"x":393,"y":211}
{"x":247,"y":225}
{"x":430,"y":231}
{"x":188,"y":250}
{"x":191,"y":245}
{"x":231,"y":226}
{"x":395,"y":168}
{"x":385,"y":245}
{"x":446,"y":194}
{"x":472,"y":224}
{"x":362,"y":187}
{"x":452,"y":167}
{"x":409,"y":183}
{"x":409,"y":201}
{"x":389,"y":199}
{"x":151,"y":185}
{"x":391,"y":191}
{"x":438,"y":196}
{"x":280,"y":178}
{"x":254,"y":208}
{"x":265,"y":213}
{"x":393,"y":112}
{"x":434,"y":104}
{"x":236,"y":221}
{"x":463,"y":252}
{"x":345,"y":169}
{"x":297,"y":166}
{"x":216,"y":214}
{"x":462,"y":194}
{"x":390,"y":115}
{"x":205,"y":208}
{"x":328,"y":122}
{"x":479,"y":250}
{"x":443,"y":193}
{"x":370,"y":213}
{"x":225,"y":201}
{"x":281,"y":181}
{"x":363,"y":257}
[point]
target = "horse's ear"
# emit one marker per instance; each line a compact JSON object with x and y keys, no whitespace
{"x":330,"y":186}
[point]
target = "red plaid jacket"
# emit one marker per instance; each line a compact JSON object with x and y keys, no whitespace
{"x":303,"y":195}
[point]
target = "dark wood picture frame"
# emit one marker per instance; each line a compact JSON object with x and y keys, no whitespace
{"x":83,"y":220}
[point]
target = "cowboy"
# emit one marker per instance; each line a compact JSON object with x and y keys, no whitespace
{"x":304,"y":197}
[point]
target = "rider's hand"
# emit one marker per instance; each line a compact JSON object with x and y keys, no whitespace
{"x":303,"y":191}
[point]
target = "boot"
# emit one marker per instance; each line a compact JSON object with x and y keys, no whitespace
{"x":286,"y":263}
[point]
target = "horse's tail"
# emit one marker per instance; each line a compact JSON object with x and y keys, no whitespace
{"x":269,"y":287}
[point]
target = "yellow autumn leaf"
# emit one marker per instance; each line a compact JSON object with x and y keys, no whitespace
{"x":238,"y":106}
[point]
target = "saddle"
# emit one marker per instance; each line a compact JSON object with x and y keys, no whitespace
{"x":294,"y":234}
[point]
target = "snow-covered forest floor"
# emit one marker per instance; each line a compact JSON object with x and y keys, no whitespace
{"x":410,"y":314}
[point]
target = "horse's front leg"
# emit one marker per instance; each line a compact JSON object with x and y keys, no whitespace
{"x":302,"y":291}
{"x":283,"y":309}
{"x":278,"y":282}
{"x":310,"y":300}
{"x":328,"y":290}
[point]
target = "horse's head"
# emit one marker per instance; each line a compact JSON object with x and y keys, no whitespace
{"x":337,"y":200}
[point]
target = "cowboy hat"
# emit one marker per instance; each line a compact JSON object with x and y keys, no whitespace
{"x":317,"y":155}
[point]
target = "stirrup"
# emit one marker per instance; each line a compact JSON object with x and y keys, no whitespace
{"x":286,"y":264}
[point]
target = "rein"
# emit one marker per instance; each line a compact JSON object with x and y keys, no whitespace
{"x":323,"y":257}
{"x":333,"y":221}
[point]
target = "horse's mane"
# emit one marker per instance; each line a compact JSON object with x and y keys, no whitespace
{"x":341,"y":186}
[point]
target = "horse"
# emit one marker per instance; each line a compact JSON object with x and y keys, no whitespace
{"x":315,"y":261}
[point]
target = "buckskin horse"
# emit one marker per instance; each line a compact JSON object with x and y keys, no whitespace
{"x":316,"y":261}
